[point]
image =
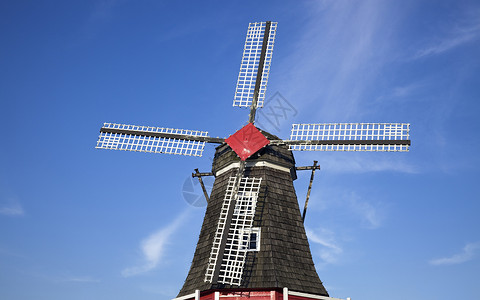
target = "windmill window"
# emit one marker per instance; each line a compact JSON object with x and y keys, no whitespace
{"x":251,"y":239}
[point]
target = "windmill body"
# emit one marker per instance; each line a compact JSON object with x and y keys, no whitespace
{"x":280,"y":255}
{"x":252,"y":244}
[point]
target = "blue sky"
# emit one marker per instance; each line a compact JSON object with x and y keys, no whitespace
{"x":81,"y":223}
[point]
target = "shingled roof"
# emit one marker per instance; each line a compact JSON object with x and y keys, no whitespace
{"x":284,"y":259}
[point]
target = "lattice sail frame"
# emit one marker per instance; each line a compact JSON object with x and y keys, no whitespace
{"x":231,"y":268}
{"x":150,"y":144}
{"x":350,"y":132}
{"x":250,"y":62}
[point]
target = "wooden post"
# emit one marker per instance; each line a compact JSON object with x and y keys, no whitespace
{"x":309,"y":189}
{"x":201,"y":183}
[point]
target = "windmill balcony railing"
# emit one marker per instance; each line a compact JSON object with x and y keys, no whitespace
{"x":286,"y":293}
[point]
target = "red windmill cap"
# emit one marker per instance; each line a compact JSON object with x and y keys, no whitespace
{"x":247,"y":141}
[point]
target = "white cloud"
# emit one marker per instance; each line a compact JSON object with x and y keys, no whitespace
{"x":330,"y":250}
{"x":467,"y":254}
{"x":102,"y":13}
{"x":102,"y":10}
{"x":80,"y":279}
{"x":367,"y":212}
{"x":370,"y":216}
{"x":12,"y":209}
{"x":153,"y":248}
{"x":409,"y":92}
{"x":454,"y":39}
{"x":343,"y":49}
{"x":348,"y":204}
{"x":364,"y":163}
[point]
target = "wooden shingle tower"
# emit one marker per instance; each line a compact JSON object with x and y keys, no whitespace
{"x":252,"y":243}
{"x":277,"y":251}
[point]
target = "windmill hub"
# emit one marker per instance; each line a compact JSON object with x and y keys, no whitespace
{"x":247,"y":141}
{"x":274,"y":156}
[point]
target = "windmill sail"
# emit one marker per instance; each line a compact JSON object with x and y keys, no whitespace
{"x":152,"y":139}
{"x":350,"y":137}
{"x":229,"y":249}
{"x":251,"y":61}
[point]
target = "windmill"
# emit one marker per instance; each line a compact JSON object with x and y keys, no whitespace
{"x":252,"y":243}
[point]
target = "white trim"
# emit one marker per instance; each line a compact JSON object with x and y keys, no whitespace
{"x":286,"y":292}
{"x":311,"y":296}
{"x":253,"y":164}
{"x":248,"y":232}
{"x":190,"y":296}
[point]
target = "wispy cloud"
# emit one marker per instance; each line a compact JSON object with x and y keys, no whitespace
{"x":339,"y":57}
{"x":368,"y":213}
{"x":101,"y":14}
{"x":468,"y":30}
{"x":331,"y":250}
{"x":467,"y":254}
{"x":409,"y":92}
{"x":365,"y":162}
{"x":12,"y":209}
{"x":102,"y":10}
{"x":80,"y":279}
{"x":8,"y":252}
{"x":64,"y":277}
{"x":348,"y":204}
{"x":153,"y":248}
{"x":370,"y":216}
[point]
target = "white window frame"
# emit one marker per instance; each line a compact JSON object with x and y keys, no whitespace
{"x":248,"y":232}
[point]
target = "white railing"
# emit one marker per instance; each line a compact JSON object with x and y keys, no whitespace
{"x":286,"y":293}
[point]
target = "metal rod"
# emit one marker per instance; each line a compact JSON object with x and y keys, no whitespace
{"x":309,"y":190}
{"x":201,"y":183}
{"x":206,"y":139}
{"x":341,"y":142}
{"x":256,"y":91}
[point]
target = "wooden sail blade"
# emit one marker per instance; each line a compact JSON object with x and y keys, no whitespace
{"x":254,"y":64}
{"x":350,"y":137}
{"x":152,"y":139}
